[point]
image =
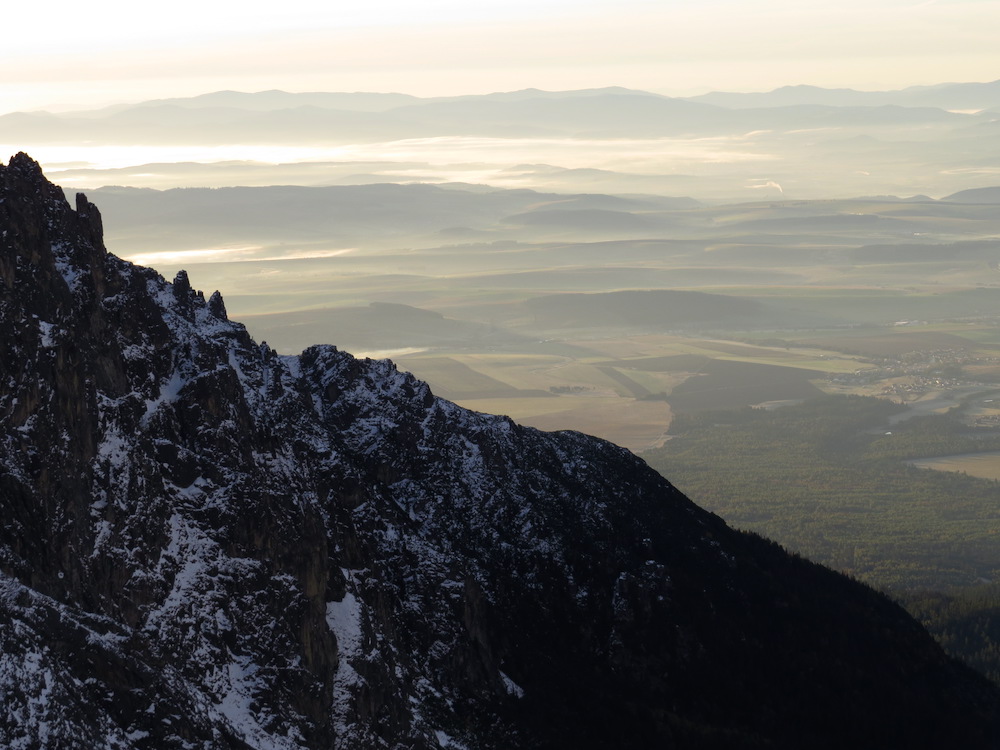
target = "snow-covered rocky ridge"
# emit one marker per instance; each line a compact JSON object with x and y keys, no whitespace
{"x":207,"y":545}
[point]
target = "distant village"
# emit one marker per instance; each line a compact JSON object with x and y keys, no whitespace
{"x":916,"y":374}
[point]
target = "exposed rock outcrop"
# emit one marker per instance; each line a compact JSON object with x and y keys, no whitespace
{"x":205,"y":544}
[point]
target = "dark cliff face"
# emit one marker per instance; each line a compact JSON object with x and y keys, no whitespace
{"x":208,"y":545}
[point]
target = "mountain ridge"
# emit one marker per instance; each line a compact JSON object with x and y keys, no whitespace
{"x":959,"y":95}
{"x":968,"y":95}
{"x":272,"y":117}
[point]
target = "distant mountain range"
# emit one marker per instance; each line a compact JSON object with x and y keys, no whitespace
{"x":948,"y":96}
{"x":280,"y":117}
{"x":960,"y":96}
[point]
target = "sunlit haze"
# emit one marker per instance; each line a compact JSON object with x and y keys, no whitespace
{"x":752,"y":248}
{"x":68,"y":55}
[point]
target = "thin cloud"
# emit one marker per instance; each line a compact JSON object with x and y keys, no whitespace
{"x":767,"y":184}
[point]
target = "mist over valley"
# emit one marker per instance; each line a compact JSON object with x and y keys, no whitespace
{"x":810,"y":142}
{"x":787,"y":303}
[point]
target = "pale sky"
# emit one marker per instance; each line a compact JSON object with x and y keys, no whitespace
{"x":67,"y":54}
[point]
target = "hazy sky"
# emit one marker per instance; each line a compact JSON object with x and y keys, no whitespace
{"x":71,"y":54}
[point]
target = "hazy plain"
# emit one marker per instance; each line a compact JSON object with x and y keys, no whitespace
{"x":596,"y":259}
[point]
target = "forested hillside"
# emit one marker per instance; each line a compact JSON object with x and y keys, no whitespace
{"x":829,"y":479}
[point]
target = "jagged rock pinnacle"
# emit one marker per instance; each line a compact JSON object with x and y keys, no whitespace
{"x":23,"y":164}
{"x":37,"y":219}
{"x":217,"y":306}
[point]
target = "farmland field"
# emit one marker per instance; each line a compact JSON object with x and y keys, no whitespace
{"x":636,"y":425}
{"x":983,"y":465}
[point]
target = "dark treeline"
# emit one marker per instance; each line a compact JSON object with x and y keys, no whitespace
{"x":966,"y":622}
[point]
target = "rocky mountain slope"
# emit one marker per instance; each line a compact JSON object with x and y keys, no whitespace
{"x":206,"y":545}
